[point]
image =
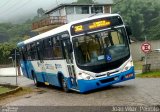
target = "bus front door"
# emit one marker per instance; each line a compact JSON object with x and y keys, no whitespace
{"x":69,"y":59}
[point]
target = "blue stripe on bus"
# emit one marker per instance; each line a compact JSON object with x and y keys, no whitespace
{"x":83,"y":85}
{"x":41,"y":76}
{"x":87,"y":85}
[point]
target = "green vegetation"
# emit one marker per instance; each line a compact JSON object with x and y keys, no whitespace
{"x":5,"y":52}
{"x":142,"y":15}
{"x":11,"y":34}
{"x":138,"y":65}
{"x":3,"y":89}
{"x":155,"y":74}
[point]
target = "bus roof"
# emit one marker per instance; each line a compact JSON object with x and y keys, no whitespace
{"x":61,"y":29}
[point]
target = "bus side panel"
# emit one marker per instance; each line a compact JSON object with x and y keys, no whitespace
{"x":39,"y":70}
{"x":53,"y":69}
{"x":53,"y":79}
{"x":24,"y":68}
{"x":29,"y":68}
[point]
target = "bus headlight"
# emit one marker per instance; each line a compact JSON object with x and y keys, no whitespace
{"x":85,"y":76}
{"x":127,"y":66}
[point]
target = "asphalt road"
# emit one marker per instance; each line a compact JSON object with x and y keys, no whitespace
{"x":136,"y":92}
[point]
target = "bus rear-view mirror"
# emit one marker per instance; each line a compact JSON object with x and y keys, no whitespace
{"x":129,"y":32}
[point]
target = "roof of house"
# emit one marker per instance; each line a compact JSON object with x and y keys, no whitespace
{"x":110,"y":2}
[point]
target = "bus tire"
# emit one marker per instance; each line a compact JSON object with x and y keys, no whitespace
{"x":64,"y":85}
{"x":37,"y":83}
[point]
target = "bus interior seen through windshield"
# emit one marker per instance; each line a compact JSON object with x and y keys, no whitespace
{"x":101,"y":48}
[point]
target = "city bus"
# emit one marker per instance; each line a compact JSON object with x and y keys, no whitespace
{"x":82,"y":55}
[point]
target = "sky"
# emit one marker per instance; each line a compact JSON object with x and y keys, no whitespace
{"x":20,"y":10}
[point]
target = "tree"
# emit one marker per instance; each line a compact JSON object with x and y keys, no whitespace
{"x":5,"y":52}
{"x":40,"y":12}
{"x":141,"y":15}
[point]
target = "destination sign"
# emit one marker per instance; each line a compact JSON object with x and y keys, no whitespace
{"x":95,"y":24}
{"x":98,"y":24}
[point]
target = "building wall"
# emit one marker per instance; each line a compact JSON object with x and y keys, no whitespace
{"x":136,"y":51}
{"x":62,"y":12}
{"x":73,"y":17}
{"x":153,"y":58}
{"x":107,"y":9}
{"x":56,"y":13}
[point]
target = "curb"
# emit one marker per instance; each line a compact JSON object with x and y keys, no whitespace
{"x":16,"y":89}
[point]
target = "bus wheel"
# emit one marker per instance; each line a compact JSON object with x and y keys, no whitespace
{"x":35,"y":80}
{"x":64,"y":85}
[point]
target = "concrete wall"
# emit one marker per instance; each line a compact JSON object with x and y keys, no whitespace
{"x":136,"y":52}
{"x":11,"y":71}
{"x":153,"y":58}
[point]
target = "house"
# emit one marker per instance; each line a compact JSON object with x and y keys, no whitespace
{"x":65,"y":13}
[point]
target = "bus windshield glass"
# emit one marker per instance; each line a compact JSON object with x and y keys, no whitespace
{"x":101,"y":47}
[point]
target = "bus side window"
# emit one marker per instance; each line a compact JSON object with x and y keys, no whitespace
{"x":33,"y":51}
{"x":47,"y":48}
{"x":57,"y":48}
{"x":40,"y":50}
{"x":23,"y":53}
{"x":28,"y":52}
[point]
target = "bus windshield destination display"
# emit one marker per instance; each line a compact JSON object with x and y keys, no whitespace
{"x":99,"y":24}
{"x":96,"y":24}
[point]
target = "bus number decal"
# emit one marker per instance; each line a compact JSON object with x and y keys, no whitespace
{"x":78,"y":28}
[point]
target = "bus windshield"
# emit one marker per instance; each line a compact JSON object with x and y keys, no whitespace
{"x":101,"y":47}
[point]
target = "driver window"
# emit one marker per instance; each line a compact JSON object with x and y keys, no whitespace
{"x":116,"y":37}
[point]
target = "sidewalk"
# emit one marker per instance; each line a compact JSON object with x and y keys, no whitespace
{"x":11,"y":71}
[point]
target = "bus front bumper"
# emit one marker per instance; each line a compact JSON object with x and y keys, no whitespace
{"x":87,"y":85}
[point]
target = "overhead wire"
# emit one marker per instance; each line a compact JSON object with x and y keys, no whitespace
{"x":6,"y":3}
{"x":25,"y":4}
{"x":14,"y":8}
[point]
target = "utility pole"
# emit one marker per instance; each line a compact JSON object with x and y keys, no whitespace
{"x":145,"y":53}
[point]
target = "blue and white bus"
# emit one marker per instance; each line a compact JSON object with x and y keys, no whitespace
{"x":82,"y":55}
